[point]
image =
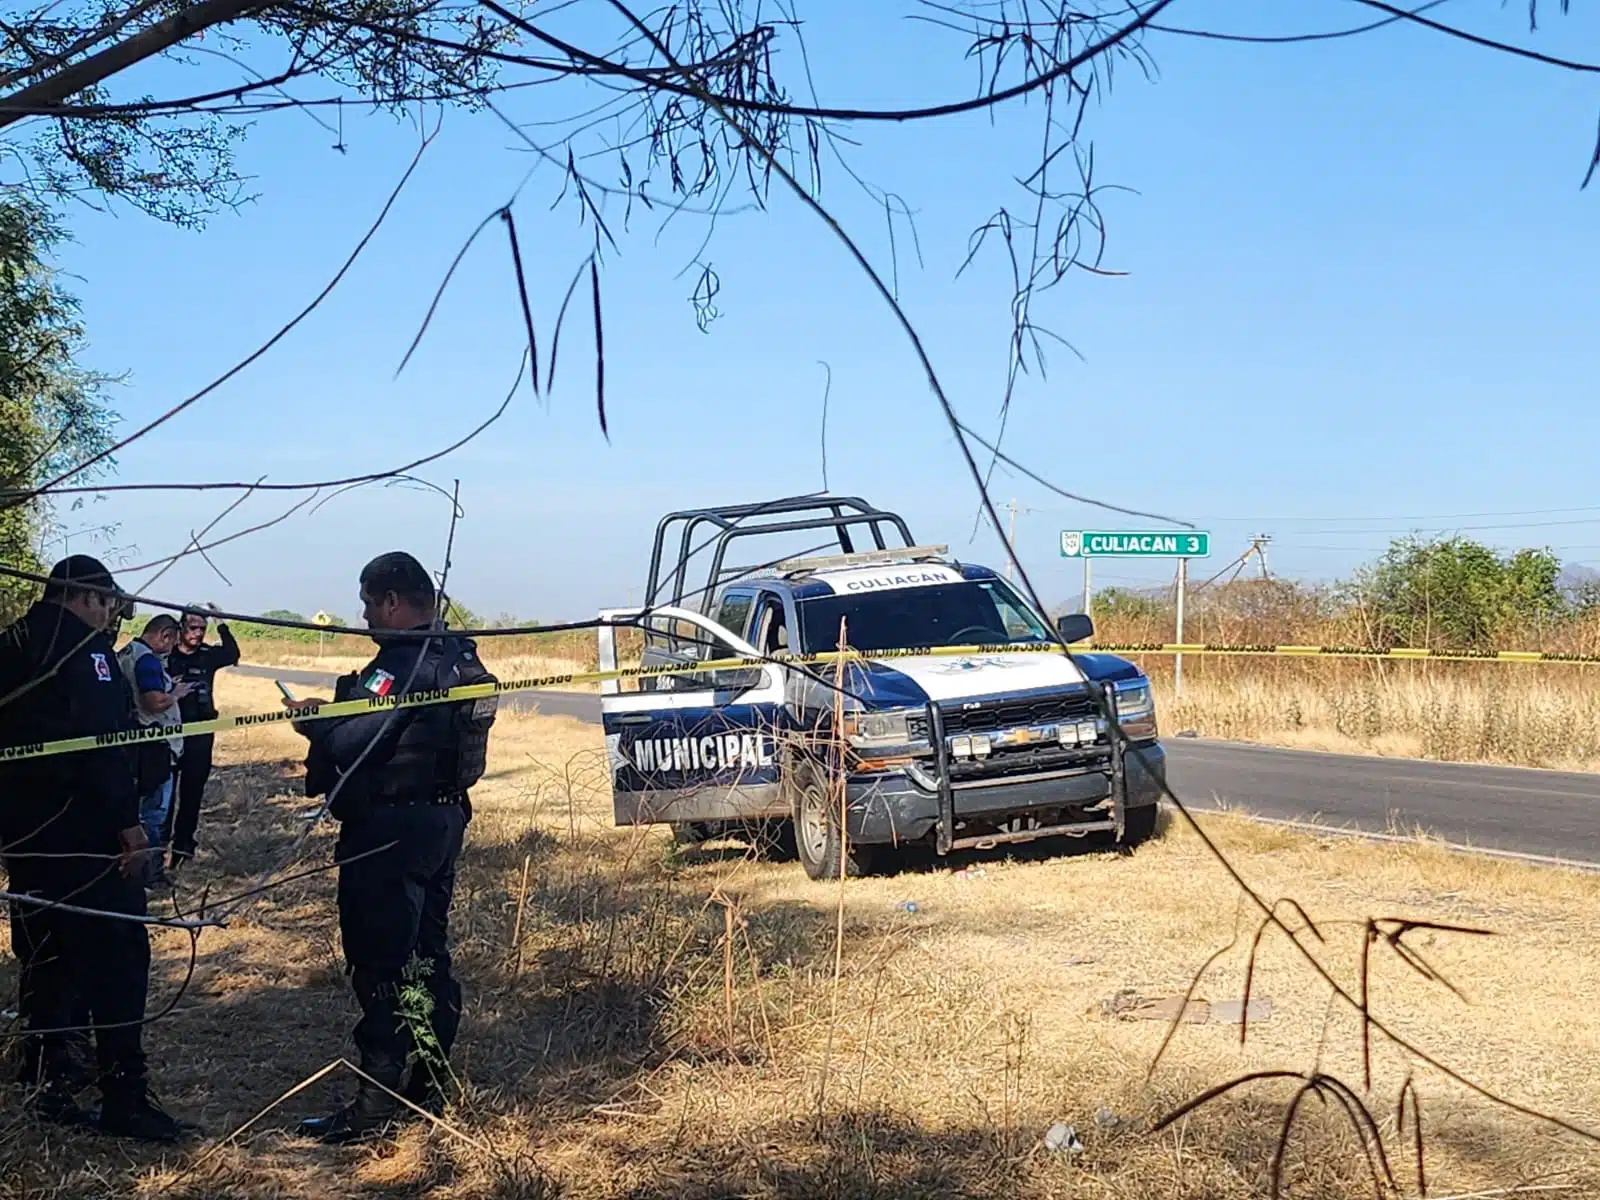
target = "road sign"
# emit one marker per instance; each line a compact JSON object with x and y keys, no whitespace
{"x":322,"y":618}
{"x":1130,"y":543}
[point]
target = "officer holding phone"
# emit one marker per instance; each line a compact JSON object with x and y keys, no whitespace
{"x":397,"y":778}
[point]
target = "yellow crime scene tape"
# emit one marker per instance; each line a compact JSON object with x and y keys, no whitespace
{"x":477,"y":691}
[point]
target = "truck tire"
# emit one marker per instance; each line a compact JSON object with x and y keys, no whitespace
{"x":1139,"y":825}
{"x":819,"y":843}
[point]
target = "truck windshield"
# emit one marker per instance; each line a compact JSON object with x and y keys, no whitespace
{"x":975,"y":612}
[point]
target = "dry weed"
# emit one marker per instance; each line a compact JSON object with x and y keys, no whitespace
{"x":644,"y":1021}
{"x":1521,"y":715}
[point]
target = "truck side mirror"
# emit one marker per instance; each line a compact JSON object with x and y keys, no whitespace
{"x":1075,"y":627}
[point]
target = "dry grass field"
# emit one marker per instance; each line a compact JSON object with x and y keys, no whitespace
{"x":1542,"y":715}
{"x":648,"y":1022}
{"x":508,"y":658}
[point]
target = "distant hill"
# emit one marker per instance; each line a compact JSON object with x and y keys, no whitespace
{"x":1579,"y":583}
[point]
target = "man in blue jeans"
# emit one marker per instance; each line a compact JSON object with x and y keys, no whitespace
{"x":156,"y":700}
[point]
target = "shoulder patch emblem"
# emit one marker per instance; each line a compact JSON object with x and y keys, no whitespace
{"x":102,"y":669}
{"x":379,"y":682}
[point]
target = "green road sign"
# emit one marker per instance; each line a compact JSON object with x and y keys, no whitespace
{"x":1128,"y":543}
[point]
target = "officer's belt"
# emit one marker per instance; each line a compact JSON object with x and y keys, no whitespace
{"x":417,"y":799}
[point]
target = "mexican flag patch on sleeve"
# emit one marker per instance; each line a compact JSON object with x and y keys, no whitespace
{"x":379,"y":683}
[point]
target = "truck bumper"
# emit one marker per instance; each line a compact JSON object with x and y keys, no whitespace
{"x":891,"y":808}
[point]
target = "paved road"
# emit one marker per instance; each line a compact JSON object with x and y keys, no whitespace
{"x":1500,"y":808}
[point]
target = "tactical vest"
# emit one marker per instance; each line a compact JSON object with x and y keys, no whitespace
{"x":443,"y":747}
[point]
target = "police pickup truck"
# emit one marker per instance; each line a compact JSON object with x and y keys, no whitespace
{"x":940,"y":731}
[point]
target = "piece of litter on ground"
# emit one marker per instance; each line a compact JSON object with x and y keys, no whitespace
{"x":1078,"y":962}
{"x":909,"y":906}
{"x":1229,"y":1012}
{"x":1130,"y":1006}
{"x":1063,"y":1139}
{"x":1107,"y":1119}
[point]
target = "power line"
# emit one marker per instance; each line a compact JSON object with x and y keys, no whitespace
{"x":1260,"y":519}
{"x":1447,"y":528}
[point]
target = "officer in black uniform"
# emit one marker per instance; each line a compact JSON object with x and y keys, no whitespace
{"x":70,"y":833}
{"x":399,"y":775}
{"x":196,"y":662}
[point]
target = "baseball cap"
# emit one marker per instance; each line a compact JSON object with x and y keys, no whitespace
{"x":81,"y":570}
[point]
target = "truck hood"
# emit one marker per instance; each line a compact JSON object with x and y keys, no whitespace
{"x":900,"y":681}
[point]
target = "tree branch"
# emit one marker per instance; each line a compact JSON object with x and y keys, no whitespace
{"x":163,"y":35}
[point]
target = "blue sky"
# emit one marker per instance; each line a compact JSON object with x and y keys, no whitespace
{"x":1360,"y":300}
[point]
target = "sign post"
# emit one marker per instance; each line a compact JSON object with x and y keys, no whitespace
{"x":1177,"y":661}
{"x":1137,"y":543}
{"x":324,"y":620}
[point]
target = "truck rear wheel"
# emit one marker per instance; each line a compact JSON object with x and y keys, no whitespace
{"x":821,"y":845}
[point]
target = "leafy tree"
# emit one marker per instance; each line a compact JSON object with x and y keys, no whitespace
{"x":458,"y":615}
{"x":249,"y":629}
{"x":83,"y":137}
{"x":52,"y":411}
{"x":510,"y":620}
{"x":1455,"y":593}
{"x":1128,"y":607}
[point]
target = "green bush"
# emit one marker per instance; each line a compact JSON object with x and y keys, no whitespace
{"x":249,"y":630}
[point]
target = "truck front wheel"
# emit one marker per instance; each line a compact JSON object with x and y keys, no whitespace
{"x":1139,"y":825}
{"x":822,"y":846}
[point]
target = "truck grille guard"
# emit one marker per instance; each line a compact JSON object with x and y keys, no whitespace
{"x":1108,"y":759}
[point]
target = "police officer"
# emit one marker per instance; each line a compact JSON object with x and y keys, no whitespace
{"x":398,"y":780}
{"x":195,"y":662}
{"x":70,"y":834}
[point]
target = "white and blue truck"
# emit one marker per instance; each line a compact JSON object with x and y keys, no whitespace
{"x":917,"y":741}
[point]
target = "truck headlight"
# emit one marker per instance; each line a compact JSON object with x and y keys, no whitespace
{"x":1136,"y":709}
{"x":888,"y":727}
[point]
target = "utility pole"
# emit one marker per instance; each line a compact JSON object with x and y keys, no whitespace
{"x":1258,"y":547}
{"x":1011,"y":538}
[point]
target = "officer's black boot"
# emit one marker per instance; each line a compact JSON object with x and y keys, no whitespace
{"x":52,"y":1080}
{"x":54,"y":1102}
{"x":423,"y":1090}
{"x":370,"y":1115}
{"x":78,"y":1065}
{"x":129,"y":1111}
{"x":51,"y":1096}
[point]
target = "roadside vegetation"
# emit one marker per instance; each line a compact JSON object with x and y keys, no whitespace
{"x":649,"y":1022}
{"x":1445,"y":595}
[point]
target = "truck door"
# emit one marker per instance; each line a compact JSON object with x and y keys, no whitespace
{"x":691,"y":745}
